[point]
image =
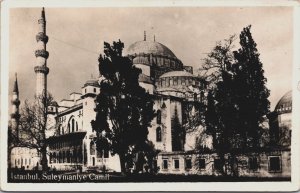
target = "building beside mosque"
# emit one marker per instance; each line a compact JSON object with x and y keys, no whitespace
{"x":72,"y":142}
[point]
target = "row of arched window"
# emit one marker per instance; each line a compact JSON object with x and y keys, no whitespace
{"x":66,"y":157}
{"x":22,"y":161}
{"x":174,"y":81}
{"x":100,"y":154}
{"x":72,"y":127}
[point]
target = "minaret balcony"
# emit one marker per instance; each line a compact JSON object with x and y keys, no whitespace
{"x":15,"y":115}
{"x":41,"y":69}
{"x":16,"y":102}
{"x":42,"y":53}
{"x":41,"y":21}
{"x":42,"y":37}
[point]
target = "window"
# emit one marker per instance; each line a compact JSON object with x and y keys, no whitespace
{"x":188,"y":163}
{"x":93,"y":148}
{"x":171,"y":81}
{"x":106,"y":153}
{"x":176,"y":163}
{"x":218,"y":165}
{"x":165,"y":164}
{"x":253,"y":164}
{"x":158,"y":134}
{"x":94,"y":90}
{"x":183,"y":81}
{"x":76,"y":126}
{"x":201,"y":163}
{"x":167,"y":81}
{"x":84,"y":90}
{"x":175,"y":81}
{"x":274,"y":164}
{"x":68,"y":127}
{"x":158,"y":118}
{"x":73,"y":125}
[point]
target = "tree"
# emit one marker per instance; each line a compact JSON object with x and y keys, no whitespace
{"x":178,"y":133}
{"x":33,"y":126}
{"x":124,"y":109}
{"x":220,"y":112}
{"x":238,"y":99}
{"x":218,"y":61}
{"x":252,"y":97}
{"x":12,"y":142}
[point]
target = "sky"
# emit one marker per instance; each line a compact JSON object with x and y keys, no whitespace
{"x":76,"y":37}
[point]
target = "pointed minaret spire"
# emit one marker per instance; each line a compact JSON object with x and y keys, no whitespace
{"x":15,"y":102}
{"x":144,"y":35}
{"x":43,"y":14}
{"x":41,"y":54}
{"x":16,"y":88}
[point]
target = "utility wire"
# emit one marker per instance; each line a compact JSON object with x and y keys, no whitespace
{"x":75,"y":46}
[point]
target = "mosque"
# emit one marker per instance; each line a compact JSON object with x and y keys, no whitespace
{"x":71,"y":142}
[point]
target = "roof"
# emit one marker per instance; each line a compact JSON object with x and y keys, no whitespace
{"x":92,"y":82}
{"x":149,"y":47}
{"x":177,"y":73}
{"x":67,"y":137}
{"x":284,"y":105}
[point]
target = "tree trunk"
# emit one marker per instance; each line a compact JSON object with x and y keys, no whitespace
{"x":44,"y":161}
{"x":9,"y":156}
{"x":122,"y":163}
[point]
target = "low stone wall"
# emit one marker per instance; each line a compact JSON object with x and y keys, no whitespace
{"x":275,"y":163}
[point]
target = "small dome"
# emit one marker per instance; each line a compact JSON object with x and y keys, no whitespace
{"x":92,"y":82}
{"x":285,"y":104}
{"x":177,"y":73}
{"x":149,"y":47}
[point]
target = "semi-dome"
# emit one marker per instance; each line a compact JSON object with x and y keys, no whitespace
{"x":149,"y":47}
{"x":177,"y":73}
{"x":285,"y":104}
{"x":92,"y":82}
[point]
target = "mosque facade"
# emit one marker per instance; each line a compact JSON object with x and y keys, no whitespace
{"x":72,"y":142}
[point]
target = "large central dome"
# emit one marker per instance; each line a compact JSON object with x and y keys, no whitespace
{"x":149,"y":47}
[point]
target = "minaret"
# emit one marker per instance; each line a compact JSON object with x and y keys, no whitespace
{"x":41,"y":69}
{"x":15,"y":115}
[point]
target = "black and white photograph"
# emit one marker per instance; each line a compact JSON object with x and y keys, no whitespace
{"x":149,"y":95}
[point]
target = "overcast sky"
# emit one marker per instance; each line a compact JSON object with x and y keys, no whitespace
{"x":76,"y":37}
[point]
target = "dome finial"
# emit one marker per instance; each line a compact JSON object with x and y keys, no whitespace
{"x":144,"y":35}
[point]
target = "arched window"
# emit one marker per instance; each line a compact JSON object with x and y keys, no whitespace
{"x":68,"y":127}
{"x":92,"y":148}
{"x":60,"y":130}
{"x":73,"y":125}
{"x":158,"y":134}
{"x":158,"y":118}
{"x":76,"y":126}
